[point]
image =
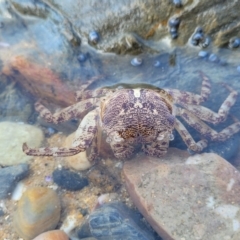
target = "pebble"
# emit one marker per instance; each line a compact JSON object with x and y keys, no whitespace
{"x":213,"y":58}
{"x":82,"y":57}
{"x":38,"y":211}
{"x":9,"y":177}
{"x":114,"y":221}
{"x":234,"y":42}
{"x":206,"y":41}
{"x":79,"y":161}
{"x":177,"y":3}
{"x":93,"y":37}
{"x":52,"y":235}
{"x":203,"y":54}
{"x":136,"y":62}
{"x":69,"y":180}
{"x":238,"y":69}
{"x":157,"y":64}
{"x":174,"y":22}
{"x":12,"y":136}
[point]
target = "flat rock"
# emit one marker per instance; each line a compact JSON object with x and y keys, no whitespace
{"x":12,"y":136}
{"x":186,"y":197}
{"x":9,"y":177}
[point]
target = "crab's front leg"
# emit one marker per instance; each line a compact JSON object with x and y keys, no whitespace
{"x":182,"y":97}
{"x":157,"y":148}
{"x":83,"y":139}
{"x":73,"y":111}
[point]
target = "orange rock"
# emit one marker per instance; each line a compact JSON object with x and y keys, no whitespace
{"x":40,"y":81}
{"x":52,"y":235}
{"x":38,"y":211}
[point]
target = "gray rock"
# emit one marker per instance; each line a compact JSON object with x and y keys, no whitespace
{"x":147,"y":20}
{"x":114,"y":222}
{"x":182,"y":197}
{"x":9,"y":176}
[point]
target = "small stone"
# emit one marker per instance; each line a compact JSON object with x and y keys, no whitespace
{"x":82,"y":57}
{"x":52,"y":235}
{"x":69,"y":180}
{"x":9,"y":176}
{"x":203,"y":54}
{"x":177,"y":3}
{"x":79,"y":161}
{"x":174,"y":22}
{"x":12,"y":136}
{"x":234,"y":42}
{"x":114,"y":221}
{"x":213,"y":58}
{"x":238,"y":69}
{"x":157,"y":64}
{"x":136,"y":62}
{"x":38,"y":211}
{"x":93,"y":37}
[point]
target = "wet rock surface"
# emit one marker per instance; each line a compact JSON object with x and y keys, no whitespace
{"x":114,"y":221}
{"x":200,"y":191}
{"x":9,"y":176}
{"x":125,"y":26}
{"x":69,"y":180}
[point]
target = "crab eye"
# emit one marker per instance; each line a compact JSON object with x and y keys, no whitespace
{"x":117,"y":139}
{"x":160,"y":137}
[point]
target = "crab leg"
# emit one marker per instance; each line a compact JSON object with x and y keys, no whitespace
{"x":83,"y":139}
{"x":192,"y":98}
{"x":210,"y":116}
{"x":158,"y":148}
{"x":65,"y":114}
{"x":187,"y":138}
{"x":205,"y":130}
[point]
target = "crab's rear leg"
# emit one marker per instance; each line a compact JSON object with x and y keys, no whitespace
{"x":192,"y":98}
{"x":188,"y":139}
{"x":210,"y":116}
{"x":83,"y":139}
{"x":205,"y":130}
{"x":73,"y":111}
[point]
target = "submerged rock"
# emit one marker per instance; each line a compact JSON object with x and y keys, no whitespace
{"x":9,"y":177}
{"x":114,"y":221}
{"x":182,"y":197}
{"x":38,"y":211}
{"x":52,"y":235}
{"x":12,"y":136}
{"x":69,"y":180}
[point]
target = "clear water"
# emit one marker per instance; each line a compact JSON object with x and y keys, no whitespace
{"x":178,"y":69}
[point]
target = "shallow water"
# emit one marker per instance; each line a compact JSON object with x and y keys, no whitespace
{"x":178,"y":68}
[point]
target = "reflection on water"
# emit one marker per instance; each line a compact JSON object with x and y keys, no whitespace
{"x":38,"y":63}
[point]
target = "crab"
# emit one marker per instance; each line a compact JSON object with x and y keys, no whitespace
{"x":143,"y":116}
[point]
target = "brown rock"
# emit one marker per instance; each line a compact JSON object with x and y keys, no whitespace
{"x":40,"y":81}
{"x":196,"y":197}
{"x":52,"y":235}
{"x":38,"y":211}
